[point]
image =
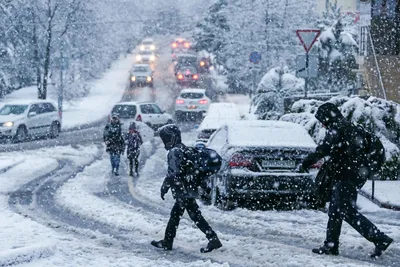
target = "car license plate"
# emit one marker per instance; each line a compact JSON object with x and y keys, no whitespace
{"x":278,"y":164}
{"x":191,"y":106}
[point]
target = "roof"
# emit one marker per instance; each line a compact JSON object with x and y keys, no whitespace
{"x":210,"y":123}
{"x":26,"y":101}
{"x":223,"y":110}
{"x":148,"y":40}
{"x":257,"y":133}
{"x":134,"y":102}
{"x":141,"y":65}
{"x":193,"y":90}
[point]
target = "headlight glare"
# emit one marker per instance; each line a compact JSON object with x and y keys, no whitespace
{"x":8,"y":124}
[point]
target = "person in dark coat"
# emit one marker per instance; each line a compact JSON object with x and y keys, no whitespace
{"x":181,"y":180}
{"x":134,"y":141}
{"x":115,"y":144}
{"x":349,"y":165}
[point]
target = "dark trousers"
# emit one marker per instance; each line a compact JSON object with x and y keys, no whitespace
{"x":115,"y":159}
{"x":190,"y":205}
{"x":133,"y":161}
{"x":343,"y":207}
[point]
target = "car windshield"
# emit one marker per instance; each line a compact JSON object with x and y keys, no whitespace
{"x":146,"y":52}
{"x":13,"y":109}
{"x":124,"y":111}
{"x":192,"y":95}
{"x":140,"y":69}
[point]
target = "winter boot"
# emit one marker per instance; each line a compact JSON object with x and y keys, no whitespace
{"x":214,"y":243}
{"x":166,"y":245}
{"x":130,"y":172}
{"x":116,"y":172}
{"x":329,"y":248}
{"x":381,"y":247}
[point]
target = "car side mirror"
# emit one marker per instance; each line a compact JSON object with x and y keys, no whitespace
{"x":32,"y":114}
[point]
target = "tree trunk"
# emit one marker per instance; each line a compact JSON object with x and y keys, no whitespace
{"x":43,"y":94}
{"x":37,"y":62}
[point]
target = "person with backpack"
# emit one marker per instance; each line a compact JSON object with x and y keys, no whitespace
{"x":350,"y":154}
{"x":115,"y":144}
{"x":182,"y":179}
{"x":134,"y":141}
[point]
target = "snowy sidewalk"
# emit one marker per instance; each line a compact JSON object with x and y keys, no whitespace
{"x":386,"y":195}
{"x":104,"y":93}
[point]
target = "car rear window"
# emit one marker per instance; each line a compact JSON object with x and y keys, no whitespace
{"x":124,"y":111}
{"x":192,"y":95}
{"x":140,"y":69}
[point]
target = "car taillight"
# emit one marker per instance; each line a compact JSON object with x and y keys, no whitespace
{"x":238,"y":160}
{"x":180,"y":76}
{"x":195,"y":77}
{"x":174,"y":45}
{"x":202,"y":63}
{"x":203,"y":101}
{"x":139,"y":118}
{"x":187,"y":45}
{"x":180,"y":101}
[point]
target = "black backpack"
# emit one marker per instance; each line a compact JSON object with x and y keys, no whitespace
{"x":373,"y":150}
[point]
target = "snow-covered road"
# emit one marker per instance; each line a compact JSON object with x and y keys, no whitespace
{"x":60,"y":207}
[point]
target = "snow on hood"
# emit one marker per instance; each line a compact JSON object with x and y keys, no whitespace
{"x":11,"y":117}
{"x":211,"y":123}
{"x":268,"y":134}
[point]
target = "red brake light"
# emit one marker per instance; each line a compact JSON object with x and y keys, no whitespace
{"x":203,"y":101}
{"x":202,"y":63}
{"x":139,"y":118}
{"x":187,"y":72}
{"x":195,"y":77}
{"x":187,"y":45}
{"x":180,"y":101}
{"x":180,"y":76}
{"x":239,"y":160}
{"x":174,"y":45}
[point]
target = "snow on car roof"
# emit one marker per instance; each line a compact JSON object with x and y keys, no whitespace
{"x":26,"y":102}
{"x":268,"y":134}
{"x":223,"y":110}
{"x":193,"y":90}
{"x":212,"y":123}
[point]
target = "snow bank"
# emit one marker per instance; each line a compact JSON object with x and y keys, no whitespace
{"x":26,"y":254}
{"x":374,"y":114}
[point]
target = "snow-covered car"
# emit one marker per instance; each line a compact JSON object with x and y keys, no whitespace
{"x":20,"y":120}
{"x":147,"y":45}
{"x":147,"y":112}
{"x":260,"y":164}
{"x":191,"y":103}
{"x":218,"y":114}
{"x":180,"y":45}
{"x":187,"y":76}
{"x":141,"y":75}
{"x":146,"y":57}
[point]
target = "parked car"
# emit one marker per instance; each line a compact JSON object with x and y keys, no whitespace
{"x":217,"y":115}
{"x":260,"y":163}
{"x":141,"y":75}
{"x":187,"y":76}
{"x":191,"y":103}
{"x":147,"y":112}
{"x":20,"y":120}
{"x":146,"y":57}
{"x":147,"y":45}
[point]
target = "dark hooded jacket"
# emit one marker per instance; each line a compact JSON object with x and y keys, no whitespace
{"x":180,"y":177}
{"x":341,"y":145}
{"x":113,"y":138}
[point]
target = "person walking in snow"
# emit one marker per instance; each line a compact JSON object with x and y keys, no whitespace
{"x":115,"y":144}
{"x":351,"y":167}
{"x":134,"y":141}
{"x":183,"y":187}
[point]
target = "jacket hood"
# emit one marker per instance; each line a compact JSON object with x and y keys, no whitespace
{"x":329,"y":115}
{"x":170,"y":135}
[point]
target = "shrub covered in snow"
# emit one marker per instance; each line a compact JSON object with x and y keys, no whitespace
{"x":276,"y":84}
{"x":374,"y":114}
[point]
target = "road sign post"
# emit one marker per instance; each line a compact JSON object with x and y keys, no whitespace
{"x":255,"y":58}
{"x":307,"y":39}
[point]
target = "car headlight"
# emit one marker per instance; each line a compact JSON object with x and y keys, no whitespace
{"x":138,"y":57}
{"x":152,"y":58}
{"x":142,"y":47}
{"x":149,"y":78}
{"x":133,"y":78}
{"x":153,"y":47}
{"x":8,"y":124}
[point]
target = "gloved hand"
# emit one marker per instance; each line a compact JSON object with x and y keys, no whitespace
{"x":303,"y":169}
{"x":164,"y":190}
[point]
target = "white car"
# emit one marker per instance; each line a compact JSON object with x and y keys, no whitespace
{"x":191,"y":103}
{"x":217,"y":115}
{"x":21,"y":119}
{"x":146,"y":57}
{"x":147,"y":45}
{"x":147,"y":112}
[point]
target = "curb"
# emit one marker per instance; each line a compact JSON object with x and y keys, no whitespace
{"x":384,"y":205}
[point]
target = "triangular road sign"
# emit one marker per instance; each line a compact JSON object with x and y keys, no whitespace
{"x":308,"y":38}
